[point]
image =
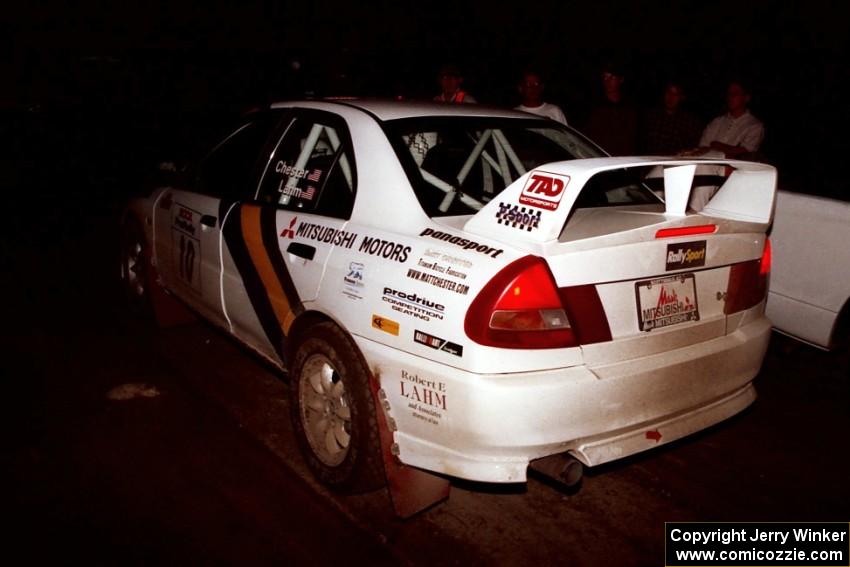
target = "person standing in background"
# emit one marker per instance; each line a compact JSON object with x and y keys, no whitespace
{"x":670,"y":129}
{"x":737,"y":132}
{"x":451,"y":81}
{"x":530,"y":89}
{"x":613,"y":123}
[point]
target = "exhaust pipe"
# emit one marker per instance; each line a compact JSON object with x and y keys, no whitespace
{"x":562,"y":468}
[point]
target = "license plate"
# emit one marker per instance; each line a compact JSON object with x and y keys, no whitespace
{"x":662,"y":302}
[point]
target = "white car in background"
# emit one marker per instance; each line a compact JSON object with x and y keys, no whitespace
{"x":809,"y":295}
{"x":464,"y":288}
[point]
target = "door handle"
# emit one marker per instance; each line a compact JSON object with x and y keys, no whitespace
{"x":301,"y":250}
{"x":208,"y":220}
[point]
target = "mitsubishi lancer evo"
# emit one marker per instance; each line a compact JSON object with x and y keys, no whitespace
{"x":479,"y":287}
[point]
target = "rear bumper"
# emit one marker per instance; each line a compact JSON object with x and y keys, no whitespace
{"x":488,"y":427}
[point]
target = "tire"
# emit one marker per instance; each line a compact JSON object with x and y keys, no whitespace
{"x":135,"y":268}
{"x":333,"y":413}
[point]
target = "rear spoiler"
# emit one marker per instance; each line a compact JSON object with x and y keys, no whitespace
{"x":536,"y":206}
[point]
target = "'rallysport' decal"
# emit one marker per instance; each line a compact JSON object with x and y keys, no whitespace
{"x":252,"y":239}
{"x":685,"y":255}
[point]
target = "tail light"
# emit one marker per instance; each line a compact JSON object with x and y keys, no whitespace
{"x":748,"y":282}
{"x":522,"y":307}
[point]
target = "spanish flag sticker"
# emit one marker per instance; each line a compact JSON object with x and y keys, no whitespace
{"x":385,"y":325}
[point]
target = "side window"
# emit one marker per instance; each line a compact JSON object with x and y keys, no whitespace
{"x":227,"y":169}
{"x":311,"y":169}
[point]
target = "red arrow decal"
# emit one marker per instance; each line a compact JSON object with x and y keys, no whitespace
{"x":654,"y":435}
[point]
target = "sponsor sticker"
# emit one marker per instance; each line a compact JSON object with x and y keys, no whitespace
{"x":427,"y":398}
{"x":326,"y":234}
{"x":384,"y":249}
{"x":544,"y":190}
{"x":464,"y":243}
{"x":685,"y":255}
{"x":185,"y":219}
{"x":447,"y":258}
{"x":437,"y":281}
{"x":384,"y":324}
{"x":515,"y":216}
{"x":290,"y":231}
{"x":437,"y":343}
{"x":352,"y":281}
{"x":443,"y":269}
{"x":413,"y":304}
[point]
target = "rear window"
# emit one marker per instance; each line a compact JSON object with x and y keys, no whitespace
{"x":458,"y":164}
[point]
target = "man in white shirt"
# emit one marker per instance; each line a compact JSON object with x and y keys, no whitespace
{"x":731,"y":135}
{"x":737,"y":132}
{"x":531,"y":90}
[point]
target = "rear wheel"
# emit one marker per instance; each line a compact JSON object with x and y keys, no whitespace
{"x":333,"y":413}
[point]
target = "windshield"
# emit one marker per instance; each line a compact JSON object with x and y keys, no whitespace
{"x":458,"y":164}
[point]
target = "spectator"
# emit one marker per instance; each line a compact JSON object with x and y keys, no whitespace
{"x":737,"y":132}
{"x":531,"y":90}
{"x":613,"y":122}
{"x":669,"y":129}
{"x":451,"y":81}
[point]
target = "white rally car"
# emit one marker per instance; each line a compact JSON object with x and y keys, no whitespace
{"x":486,"y":287}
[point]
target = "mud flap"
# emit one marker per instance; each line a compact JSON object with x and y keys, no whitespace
{"x":412,"y":490}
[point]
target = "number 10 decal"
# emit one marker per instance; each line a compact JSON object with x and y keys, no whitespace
{"x":187,"y":258}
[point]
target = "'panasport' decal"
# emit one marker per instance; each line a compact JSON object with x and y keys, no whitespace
{"x":685,"y":255}
{"x":515,"y":216}
{"x":544,"y":190}
{"x":464,"y":243}
{"x":385,"y":325}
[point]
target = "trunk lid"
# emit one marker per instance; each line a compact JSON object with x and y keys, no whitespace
{"x":662,"y":273}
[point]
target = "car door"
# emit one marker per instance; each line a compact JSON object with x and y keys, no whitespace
{"x":280,"y":241}
{"x":187,"y":221}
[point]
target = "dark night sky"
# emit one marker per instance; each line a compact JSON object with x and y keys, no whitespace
{"x":166,"y":66}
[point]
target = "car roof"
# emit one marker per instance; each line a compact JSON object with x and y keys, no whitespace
{"x":393,"y":109}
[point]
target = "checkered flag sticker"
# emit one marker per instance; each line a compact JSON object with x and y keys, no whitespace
{"x":517,"y":216}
